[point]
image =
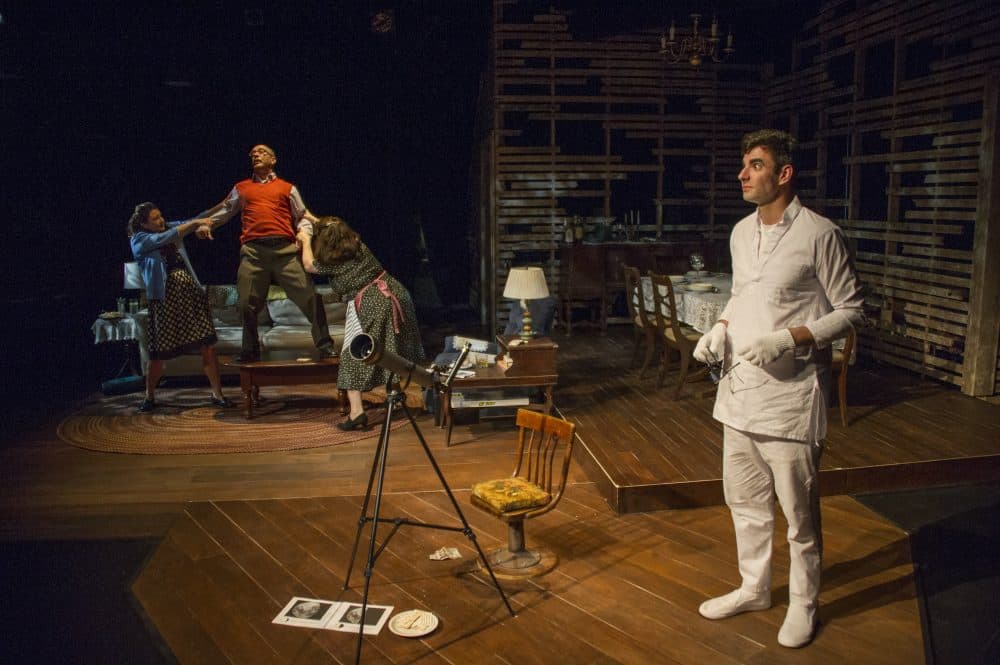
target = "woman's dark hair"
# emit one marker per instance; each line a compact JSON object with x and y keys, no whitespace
{"x":334,"y":241}
{"x":139,"y":217}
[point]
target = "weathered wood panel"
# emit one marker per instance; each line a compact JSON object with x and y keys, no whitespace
{"x":890,"y":102}
{"x":590,"y":129}
{"x":896,"y":95}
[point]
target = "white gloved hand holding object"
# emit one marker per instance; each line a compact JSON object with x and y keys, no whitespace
{"x":767,"y":348}
{"x":712,"y":345}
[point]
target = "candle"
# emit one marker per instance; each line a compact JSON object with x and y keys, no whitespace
{"x":663,"y":42}
{"x":729,"y":39}
{"x":715,"y":26}
{"x":673,"y":30}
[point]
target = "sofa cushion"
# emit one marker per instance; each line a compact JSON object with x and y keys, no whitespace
{"x":226,"y":316}
{"x":543,"y":312}
{"x":230,"y":339}
{"x":223,"y":299}
{"x":221,"y":295}
{"x":297,"y":338}
{"x":284,"y":312}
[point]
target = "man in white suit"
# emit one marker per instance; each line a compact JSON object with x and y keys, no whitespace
{"x":795,"y":291}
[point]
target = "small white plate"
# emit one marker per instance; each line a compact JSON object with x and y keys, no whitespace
{"x":413,"y":623}
{"x":677,"y":278}
{"x":697,"y":273}
{"x":700,"y":286}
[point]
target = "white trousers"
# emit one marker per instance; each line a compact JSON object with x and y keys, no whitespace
{"x":755,"y":469}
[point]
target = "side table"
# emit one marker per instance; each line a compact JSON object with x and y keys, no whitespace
{"x":530,"y":364}
{"x":124,"y":331}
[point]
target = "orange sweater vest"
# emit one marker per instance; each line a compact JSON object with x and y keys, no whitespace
{"x":267,"y":209}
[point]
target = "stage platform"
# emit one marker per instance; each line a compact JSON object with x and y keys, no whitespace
{"x":646,"y":451}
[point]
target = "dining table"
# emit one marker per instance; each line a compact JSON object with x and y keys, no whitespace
{"x":698,"y":306}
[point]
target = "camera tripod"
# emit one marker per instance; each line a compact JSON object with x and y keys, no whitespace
{"x":396,"y":398}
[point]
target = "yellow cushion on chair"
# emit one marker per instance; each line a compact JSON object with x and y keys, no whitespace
{"x":511,"y":494}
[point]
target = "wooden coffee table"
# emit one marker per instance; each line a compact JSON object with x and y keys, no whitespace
{"x":284,"y":369}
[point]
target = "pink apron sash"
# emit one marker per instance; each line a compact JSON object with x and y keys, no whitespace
{"x":383,"y":286}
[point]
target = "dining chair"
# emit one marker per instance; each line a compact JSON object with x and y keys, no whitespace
{"x":642,"y":326}
{"x":541,"y":471}
{"x":674,"y":334}
{"x":842,"y":359}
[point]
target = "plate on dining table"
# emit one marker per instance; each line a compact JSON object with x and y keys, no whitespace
{"x":700,"y":286}
{"x":677,"y":279}
{"x":697,"y":273}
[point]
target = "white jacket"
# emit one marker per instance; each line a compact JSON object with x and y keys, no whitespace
{"x":807,"y":280}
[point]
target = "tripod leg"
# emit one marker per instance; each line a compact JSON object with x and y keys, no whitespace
{"x":381,"y":457}
{"x":377,"y":462}
{"x":467,"y":530}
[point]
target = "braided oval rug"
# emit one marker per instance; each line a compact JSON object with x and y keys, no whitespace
{"x":185,"y":422}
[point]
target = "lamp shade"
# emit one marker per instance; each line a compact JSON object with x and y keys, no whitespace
{"x":133,"y":277}
{"x":527,"y":283}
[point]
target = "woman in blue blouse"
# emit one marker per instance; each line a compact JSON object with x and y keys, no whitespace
{"x":180,"y":319}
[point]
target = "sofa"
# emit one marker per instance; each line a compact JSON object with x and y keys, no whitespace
{"x":281,"y":327}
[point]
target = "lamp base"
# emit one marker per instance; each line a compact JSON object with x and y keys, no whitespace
{"x":526,"y":332}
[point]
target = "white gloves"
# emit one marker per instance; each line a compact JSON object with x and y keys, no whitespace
{"x":712,"y":345}
{"x":767,"y":348}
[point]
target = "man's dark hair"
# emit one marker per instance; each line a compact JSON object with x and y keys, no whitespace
{"x":781,"y":145}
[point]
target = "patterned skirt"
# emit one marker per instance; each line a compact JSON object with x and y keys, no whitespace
{"x":182,"y":321}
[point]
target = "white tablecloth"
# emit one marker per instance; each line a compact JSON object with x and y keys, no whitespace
{"x":114,"y":331}
{"x":698,"y":309}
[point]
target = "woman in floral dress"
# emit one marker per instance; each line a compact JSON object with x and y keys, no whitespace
{"x":381,"y":306}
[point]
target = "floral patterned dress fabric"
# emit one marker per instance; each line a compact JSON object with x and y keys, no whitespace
{"x":384,"y":306}
{"x":182,"y":321}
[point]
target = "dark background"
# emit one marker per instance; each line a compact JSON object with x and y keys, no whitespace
{"x":107,"y":104}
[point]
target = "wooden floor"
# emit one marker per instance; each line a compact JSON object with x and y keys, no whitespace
{"x":242,"y":533}
{"x":648,"y":451}
{"x":626,"y":589}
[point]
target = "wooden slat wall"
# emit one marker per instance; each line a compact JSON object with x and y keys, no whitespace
{"x":890,"y":100}
{"x":596,"y":128}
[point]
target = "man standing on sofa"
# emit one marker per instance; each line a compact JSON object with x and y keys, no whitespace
{"x":272,"y":212}
{"x":794,"y":292}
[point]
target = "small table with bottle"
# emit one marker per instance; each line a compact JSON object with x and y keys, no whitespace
{"x":120,"y":326}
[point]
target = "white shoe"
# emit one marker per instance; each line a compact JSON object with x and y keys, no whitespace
{"x":799,"y":626}
{"x":735,"y":602}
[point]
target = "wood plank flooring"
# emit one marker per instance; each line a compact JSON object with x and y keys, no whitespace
{"x":243,"y":533}
{"x":648,"y":451}
{"x":626,"y":589}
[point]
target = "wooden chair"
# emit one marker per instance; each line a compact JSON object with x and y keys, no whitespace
{"x":642,"y":327}
{"x":541,"y":468}
{"x":841,"y":361}
{"x":582,"y":284}
{"x":674,"y":334}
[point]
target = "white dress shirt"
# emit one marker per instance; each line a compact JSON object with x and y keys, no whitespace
{"x":794,"y":273}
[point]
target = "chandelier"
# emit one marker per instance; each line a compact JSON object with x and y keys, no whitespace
{"x":696,"y":47}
